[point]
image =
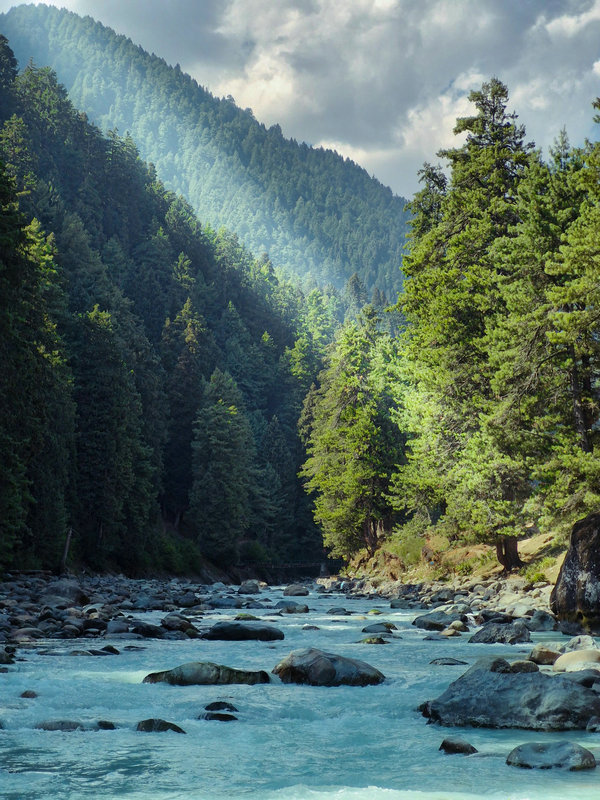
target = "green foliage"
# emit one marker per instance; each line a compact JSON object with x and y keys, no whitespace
{"x":354,"y":445}
{"x":115,"y":308}
{"x":317,"y":214}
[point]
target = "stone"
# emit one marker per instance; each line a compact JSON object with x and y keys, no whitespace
{"x":541,"y":621}
{"x":339,"y":612}
{"x":490,"y":695}
{"x":545,"y":755}
{"x":373,"y":640}
{"x":586,"y":677}
{"x":436,"y":620}
{"x":523,"y":666}
{"x":456,"y":745}
{"x":380,"y":627}
{"x":200,"y":673}
{"x":576,"y":594}
{"x":28,"y":694}
{"x":544,"y":654}
{"x":158,"y":726}
{"x":295,"y":590}
{"x":117,"y":626}
{"x":576,"y":660}
{"x":447,"y":662}
{"x":492,"y":632}
{"x":249,"y":587}
{"x":220,"y":705}
{"x":59,"y":725}
{"x":318,"y":668}
{"x":292,"y":607}
{"x":580,"y":642}
{"x":243,"y":631}
{"x":220,"y":716}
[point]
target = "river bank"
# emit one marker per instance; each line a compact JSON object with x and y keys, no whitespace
{"x":78,"y":651}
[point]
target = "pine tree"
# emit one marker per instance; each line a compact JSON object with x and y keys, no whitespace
{"x":354,"y":445}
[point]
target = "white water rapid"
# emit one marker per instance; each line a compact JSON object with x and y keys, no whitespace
{"x":290,"y":742}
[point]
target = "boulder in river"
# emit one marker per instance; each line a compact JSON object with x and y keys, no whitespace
{"x":243,"y":631}
{"x":295,"y":590}
{"x":455,"y":745}
{"x":513,"y":633}
{"x":206,"y":673}
{"x":491,"y":695}
{"x":317,"y":668}
{"x":576,"y":594}
{"x":158,"y":726}
{"x":292,"y":607}
{"x":545,"y":755}
{"x":437,"y":620}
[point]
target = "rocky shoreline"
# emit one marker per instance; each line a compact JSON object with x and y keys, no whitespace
{"x":36,"y":607}
{"x":555,"y":687}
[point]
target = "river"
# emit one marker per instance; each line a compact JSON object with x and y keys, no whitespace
{"x":289,"y":743}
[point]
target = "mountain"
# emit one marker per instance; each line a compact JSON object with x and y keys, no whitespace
{"x":152,"y":370}
{"x":315,"y":213}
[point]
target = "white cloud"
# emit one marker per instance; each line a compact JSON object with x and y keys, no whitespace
{"x":382,"y":81}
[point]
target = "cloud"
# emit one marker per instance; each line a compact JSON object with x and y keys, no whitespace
{"x":381,"y":81}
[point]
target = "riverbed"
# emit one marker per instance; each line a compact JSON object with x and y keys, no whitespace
{"x":289,"y":742}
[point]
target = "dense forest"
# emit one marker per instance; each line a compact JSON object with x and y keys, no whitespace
{"x":480,"y":421}
{"x":169,"y":396}
{"x":153,"y":371}
{"x":317,"y":214}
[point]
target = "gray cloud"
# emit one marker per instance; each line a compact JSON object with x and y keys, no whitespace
{"x":382,"y":81}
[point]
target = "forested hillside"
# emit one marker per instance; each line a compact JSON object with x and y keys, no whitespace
{"x":317,"y":215}
{"x":152,"y":370}
{"x":481,"y":421}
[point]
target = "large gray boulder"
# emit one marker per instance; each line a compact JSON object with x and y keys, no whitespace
{"x":243,"y":631}
{"x":545,"y":755}
{"x":318,"y":668}
{"x":493,"y":632}
{"x":196,"y":673}
{"x":576,"y":594}
{"x":491,"y":695}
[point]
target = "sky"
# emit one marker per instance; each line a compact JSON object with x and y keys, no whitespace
{"x":380,"y":81}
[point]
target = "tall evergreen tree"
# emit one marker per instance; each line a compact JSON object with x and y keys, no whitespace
{"x":354,"y":445}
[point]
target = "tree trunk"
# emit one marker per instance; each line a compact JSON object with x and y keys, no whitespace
{"x":579,"y":411}
{"x":507,"y":551}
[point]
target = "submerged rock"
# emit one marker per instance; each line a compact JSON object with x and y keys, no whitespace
{"x":220,"y":705}
{"x":206,"y":673}
{"x":490,"y":695}
{"x":545,"y":755}
{"x":158,"y":726}
{"x":318,"y":668}
{"x":60,"y":725}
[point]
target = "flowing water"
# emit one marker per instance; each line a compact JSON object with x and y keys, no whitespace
{"x":290,"y":742}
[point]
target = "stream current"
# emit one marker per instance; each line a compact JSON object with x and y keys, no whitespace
{"x":290,"y":742}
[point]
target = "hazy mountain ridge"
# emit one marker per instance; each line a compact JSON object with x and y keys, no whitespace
{"x":315,"y":213}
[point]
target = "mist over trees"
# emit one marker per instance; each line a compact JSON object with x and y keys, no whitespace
{"x":318,"y":215}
